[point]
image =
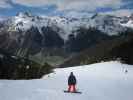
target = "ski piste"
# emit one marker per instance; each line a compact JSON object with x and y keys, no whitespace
{"x":100,"y":81}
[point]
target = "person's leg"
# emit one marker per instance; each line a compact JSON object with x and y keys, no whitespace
{"x":74,"y":88}
{"x":69,"y":87}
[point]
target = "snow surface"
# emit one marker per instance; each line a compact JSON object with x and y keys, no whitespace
{"x":102,"y":81}
{"x":128,"y":24}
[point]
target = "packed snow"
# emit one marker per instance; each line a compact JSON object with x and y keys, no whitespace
{"x":102,"y":81}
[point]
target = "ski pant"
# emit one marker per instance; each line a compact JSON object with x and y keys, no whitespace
{"x":71,"y":88}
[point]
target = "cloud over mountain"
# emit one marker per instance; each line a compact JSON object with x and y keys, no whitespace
{"x":67,"y":7}
{"x":73,"y":4}
{"x":5,"y":4}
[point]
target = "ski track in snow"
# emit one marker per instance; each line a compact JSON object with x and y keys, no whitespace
{"x":102,"y":81}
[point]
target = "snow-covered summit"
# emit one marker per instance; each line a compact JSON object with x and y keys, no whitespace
{"x":111,"y":25}
{"x":129,"y":22}
{"x":107,"y":23}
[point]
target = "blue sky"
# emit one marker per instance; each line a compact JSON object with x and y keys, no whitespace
{"x":66,"y":7}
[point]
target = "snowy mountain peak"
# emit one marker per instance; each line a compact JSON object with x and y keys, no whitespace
{"x":94,"y":16}
{"x":24,"y":14}
{"x":128,"y":21}
{"x":131,"y":16}
{"x":64,"y":26}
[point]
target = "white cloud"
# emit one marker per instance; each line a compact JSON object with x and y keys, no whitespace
{"x":4,"y":4}
{"x":121,"y":12}
{"x":90,"y":5}
{"x":75,"y":14}
{"x":74,"y":8}
{"x":34,"y":3}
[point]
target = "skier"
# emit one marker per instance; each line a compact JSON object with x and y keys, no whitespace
{"x":71,"y":83}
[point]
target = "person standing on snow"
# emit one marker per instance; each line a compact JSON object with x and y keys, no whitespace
{"x":71,"y":83}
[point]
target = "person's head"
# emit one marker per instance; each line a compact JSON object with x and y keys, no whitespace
{"x":71,"y":73}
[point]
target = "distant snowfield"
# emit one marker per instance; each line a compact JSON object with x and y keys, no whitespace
{"x":102,"y":81}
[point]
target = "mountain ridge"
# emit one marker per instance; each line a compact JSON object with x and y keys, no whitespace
{"x":31,"y":35}
{"x":112,"y":25}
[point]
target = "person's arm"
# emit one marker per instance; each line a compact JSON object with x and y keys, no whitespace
{"x":68,"y":80}
{"x":75,"y":80}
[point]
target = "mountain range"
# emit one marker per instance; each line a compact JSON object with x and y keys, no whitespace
{"x":46,"y":38}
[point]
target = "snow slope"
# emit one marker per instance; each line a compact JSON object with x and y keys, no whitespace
{"x":103,"y":81}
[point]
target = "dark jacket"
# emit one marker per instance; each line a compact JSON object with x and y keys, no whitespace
{"x":71,"y":80}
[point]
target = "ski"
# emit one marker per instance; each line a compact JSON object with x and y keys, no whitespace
{"x":65,"y":91}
